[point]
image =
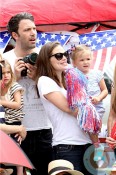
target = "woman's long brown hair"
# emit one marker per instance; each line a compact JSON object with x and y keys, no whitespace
{"x":44,"y":67}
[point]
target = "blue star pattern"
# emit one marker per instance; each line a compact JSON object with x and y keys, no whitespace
{"x":4,"y":39}
{"x":99,"y":40}
{"x":43,"y":38}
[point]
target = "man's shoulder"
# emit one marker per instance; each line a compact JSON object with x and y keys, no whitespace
{"x":9,"y":53}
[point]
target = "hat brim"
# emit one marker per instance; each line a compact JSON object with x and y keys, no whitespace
{"x":9,"y":171}
{"x":72,"y":172}
{"x":108,"y":169}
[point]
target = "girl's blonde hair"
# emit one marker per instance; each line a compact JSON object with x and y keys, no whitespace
{"x":81,"y":50}
{"x":114,"y":92}
{"x":5,"y":64}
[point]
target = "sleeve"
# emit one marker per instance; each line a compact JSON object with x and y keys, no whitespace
{"x":16,"y":87}
{"x":99,"y":76}
{"x":46,"y":85}
{"x":112,"y":85}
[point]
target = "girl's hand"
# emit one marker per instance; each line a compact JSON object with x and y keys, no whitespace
{"x":95,"y":100}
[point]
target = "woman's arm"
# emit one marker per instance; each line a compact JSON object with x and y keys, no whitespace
{"x":12,"y":104}
{"x":111,"y":120}
{"x":60,"y":101}
{"x":112,"y":115}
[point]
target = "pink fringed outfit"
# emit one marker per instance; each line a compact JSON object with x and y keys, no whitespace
{"x":77,"y":96}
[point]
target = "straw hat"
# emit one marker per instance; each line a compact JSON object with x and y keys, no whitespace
{"x":6,"y":169}
{"x":58,"y":166}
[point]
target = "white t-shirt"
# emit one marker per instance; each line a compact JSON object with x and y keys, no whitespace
{"x":35,"y":115}
{"x":65,"y":126}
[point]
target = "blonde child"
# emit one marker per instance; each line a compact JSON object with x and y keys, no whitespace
{"x":94,"y":91}
{"x":12,"y":101}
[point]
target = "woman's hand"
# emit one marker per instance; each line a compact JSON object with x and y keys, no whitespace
{"x":111,"y":142}
{"x":75,"y":113}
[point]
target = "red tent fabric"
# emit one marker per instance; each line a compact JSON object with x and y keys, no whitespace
{"x":74,"y":14}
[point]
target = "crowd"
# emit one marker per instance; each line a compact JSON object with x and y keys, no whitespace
{"x":34,"y":92}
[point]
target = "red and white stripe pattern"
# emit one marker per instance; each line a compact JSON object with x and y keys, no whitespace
{"x":103,"y":57}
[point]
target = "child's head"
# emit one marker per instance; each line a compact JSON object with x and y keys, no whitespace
{"x":82,"y":58}
{"x":7,"y":73}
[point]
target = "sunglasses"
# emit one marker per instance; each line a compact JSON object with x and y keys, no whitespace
{"x":59,"y":56}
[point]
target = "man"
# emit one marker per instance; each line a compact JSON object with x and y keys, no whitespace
{"x":37,"y":144}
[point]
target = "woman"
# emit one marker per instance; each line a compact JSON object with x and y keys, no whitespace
{"x":69,"y":141}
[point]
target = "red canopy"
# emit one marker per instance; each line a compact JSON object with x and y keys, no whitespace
{"x":73,"y":13}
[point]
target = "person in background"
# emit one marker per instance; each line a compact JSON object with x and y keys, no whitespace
{"x":96,"y":90}
{"x":37,"y":144}
{"x":69,"y":141}
{"x":112,"y":115}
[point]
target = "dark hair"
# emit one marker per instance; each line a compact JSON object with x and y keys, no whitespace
{"x":44,"y":67}
{"x":13,"y":23}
